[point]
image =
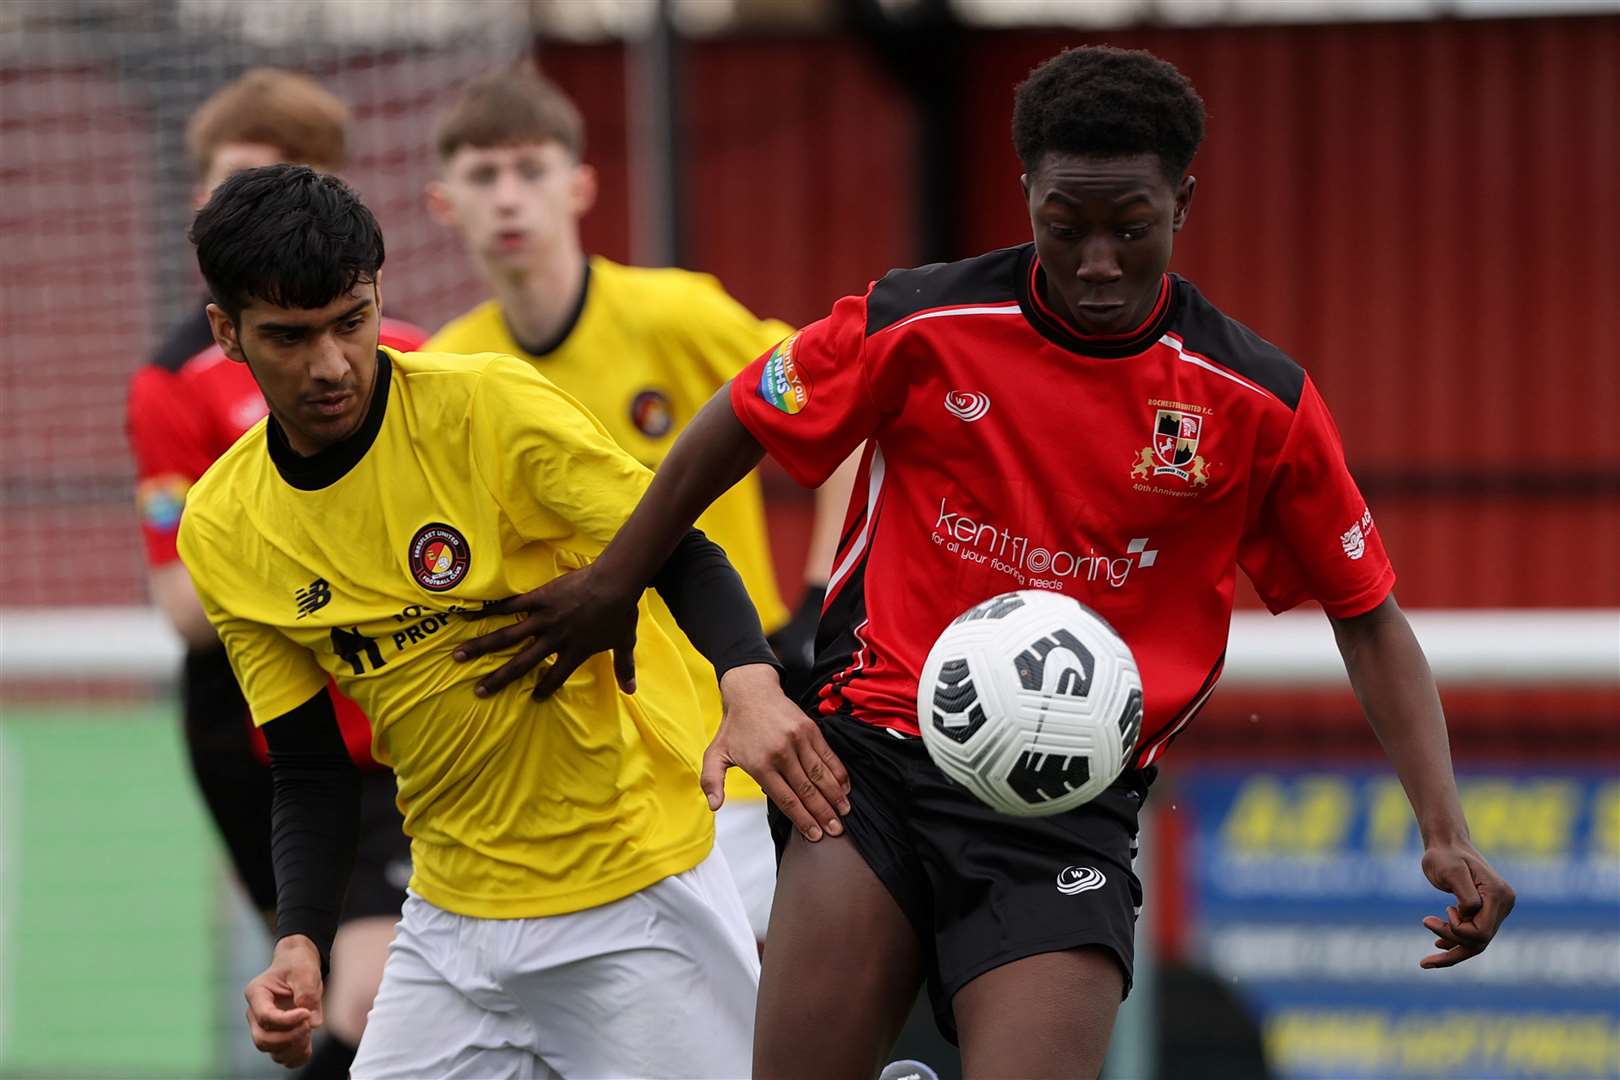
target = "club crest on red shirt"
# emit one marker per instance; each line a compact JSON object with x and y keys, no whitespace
{"x":1173,"y":448}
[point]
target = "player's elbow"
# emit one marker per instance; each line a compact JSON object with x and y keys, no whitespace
{"x":175,"y":596}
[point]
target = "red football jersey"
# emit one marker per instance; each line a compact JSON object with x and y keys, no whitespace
{"x":1134,"y":473}
{"x":185,"y":409}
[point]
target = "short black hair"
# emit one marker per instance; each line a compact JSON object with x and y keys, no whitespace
{"x":285,"y":235}
{"x":1099,"y":101}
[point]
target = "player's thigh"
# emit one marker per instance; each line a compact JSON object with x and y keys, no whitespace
{"x":376,"y":895}
{"x":237,"y":790}
{"x":1048,"y":1015}
{"x":661,"y":983}
{"x":359,"y":953}
{"x":842,"y":966}
{"x":382,"y":860}
{"x":436,"y":1014}
{"x":742,"y":833}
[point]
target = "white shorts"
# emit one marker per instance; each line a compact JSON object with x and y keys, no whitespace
{"x":659,"y":984}
{"x":743,"y":834}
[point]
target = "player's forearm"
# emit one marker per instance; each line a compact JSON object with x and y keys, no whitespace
{"x":832,"y":502}
{"x":711,"y":606}
{"x":712,"y":454}
{"x":1392,"y":681}
{"x":314,"y":821}
{"x":176,"y":597}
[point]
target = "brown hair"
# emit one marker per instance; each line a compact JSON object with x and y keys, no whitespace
{"x":508,"y":106}
{"x":278,"y":108}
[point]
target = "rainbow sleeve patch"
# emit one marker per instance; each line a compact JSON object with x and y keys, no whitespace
{"x":781,"y":382}
{"x":160,"y":501}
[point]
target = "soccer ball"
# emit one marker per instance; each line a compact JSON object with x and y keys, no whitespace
{"x":1030,"y":701}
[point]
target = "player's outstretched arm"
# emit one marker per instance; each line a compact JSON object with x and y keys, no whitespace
{"x":314,"y":829}
{"x":772,"y":740}
{"x":762,"y":732}
{"x":1392,"y":681}
{"x":593,"y":610}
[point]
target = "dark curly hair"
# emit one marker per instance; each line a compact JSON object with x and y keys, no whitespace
{"x":286,"y":235}
{"x":1104,"y":102}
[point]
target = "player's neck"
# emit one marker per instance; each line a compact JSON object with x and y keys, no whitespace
{"x":540,"y":303}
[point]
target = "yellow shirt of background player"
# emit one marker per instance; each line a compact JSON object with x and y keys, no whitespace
{"x":648,"y":349}
{"x":480,"y":480}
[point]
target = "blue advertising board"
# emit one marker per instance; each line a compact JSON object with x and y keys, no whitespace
{"x":1308,"y":894}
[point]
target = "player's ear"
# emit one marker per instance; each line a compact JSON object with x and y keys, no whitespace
{"x":376,"y":291}
{"x":1184,"y":194}
{"x":225,"y":335}
{"x":582,"y":195}
{"x":439,"y":206}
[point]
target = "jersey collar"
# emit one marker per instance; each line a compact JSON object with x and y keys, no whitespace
{"x":547,"y":347}
{"x":327,"y":467}
{"x":1061,"y":332}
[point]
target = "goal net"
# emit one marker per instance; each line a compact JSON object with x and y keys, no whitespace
{"x":111,"y":885}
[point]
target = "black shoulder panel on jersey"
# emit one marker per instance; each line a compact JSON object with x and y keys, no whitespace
{"x":991,"y":278}
{"x":1208,"y":331}
{"x":190,"y":336}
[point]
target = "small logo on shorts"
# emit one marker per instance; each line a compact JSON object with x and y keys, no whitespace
{"x":439,"y":557}
{"x":1079,"y":879}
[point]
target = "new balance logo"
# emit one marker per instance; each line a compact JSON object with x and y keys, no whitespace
{"x":1079,"y":879}
{"x":966,"y":406}
{"x":312,"y":597}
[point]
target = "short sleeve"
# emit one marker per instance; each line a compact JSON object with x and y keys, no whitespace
{"x":169,"y":439}
{"x":551,"y":465}
{"x":1314,"y":537}
{"x":401,"y":335}
{"x":276,"y":674}
{"x":809,"y":401}
{"x":725,"y":335}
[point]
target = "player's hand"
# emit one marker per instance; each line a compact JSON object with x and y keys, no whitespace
{"x":571,"y":618}
{"x":284,"y":1002}
{"x":772,"y":740}
{"x":1483,"y":901}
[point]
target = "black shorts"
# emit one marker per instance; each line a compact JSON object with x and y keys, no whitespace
{"x":236,"y":787}
{"x":982,"y":888}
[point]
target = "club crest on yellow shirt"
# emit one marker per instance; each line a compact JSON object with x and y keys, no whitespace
{"x":650,"y":412}
{"x":439,"y":557}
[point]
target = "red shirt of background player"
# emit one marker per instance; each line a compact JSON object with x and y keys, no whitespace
{"x":186,"y":407}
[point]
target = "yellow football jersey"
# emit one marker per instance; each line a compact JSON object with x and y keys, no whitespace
{"x":471,"y":479}
{"x":648,"y":348}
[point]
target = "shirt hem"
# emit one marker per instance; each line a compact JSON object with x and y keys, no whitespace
{"x":1365,"y":600}
{"x":598,"y":893}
